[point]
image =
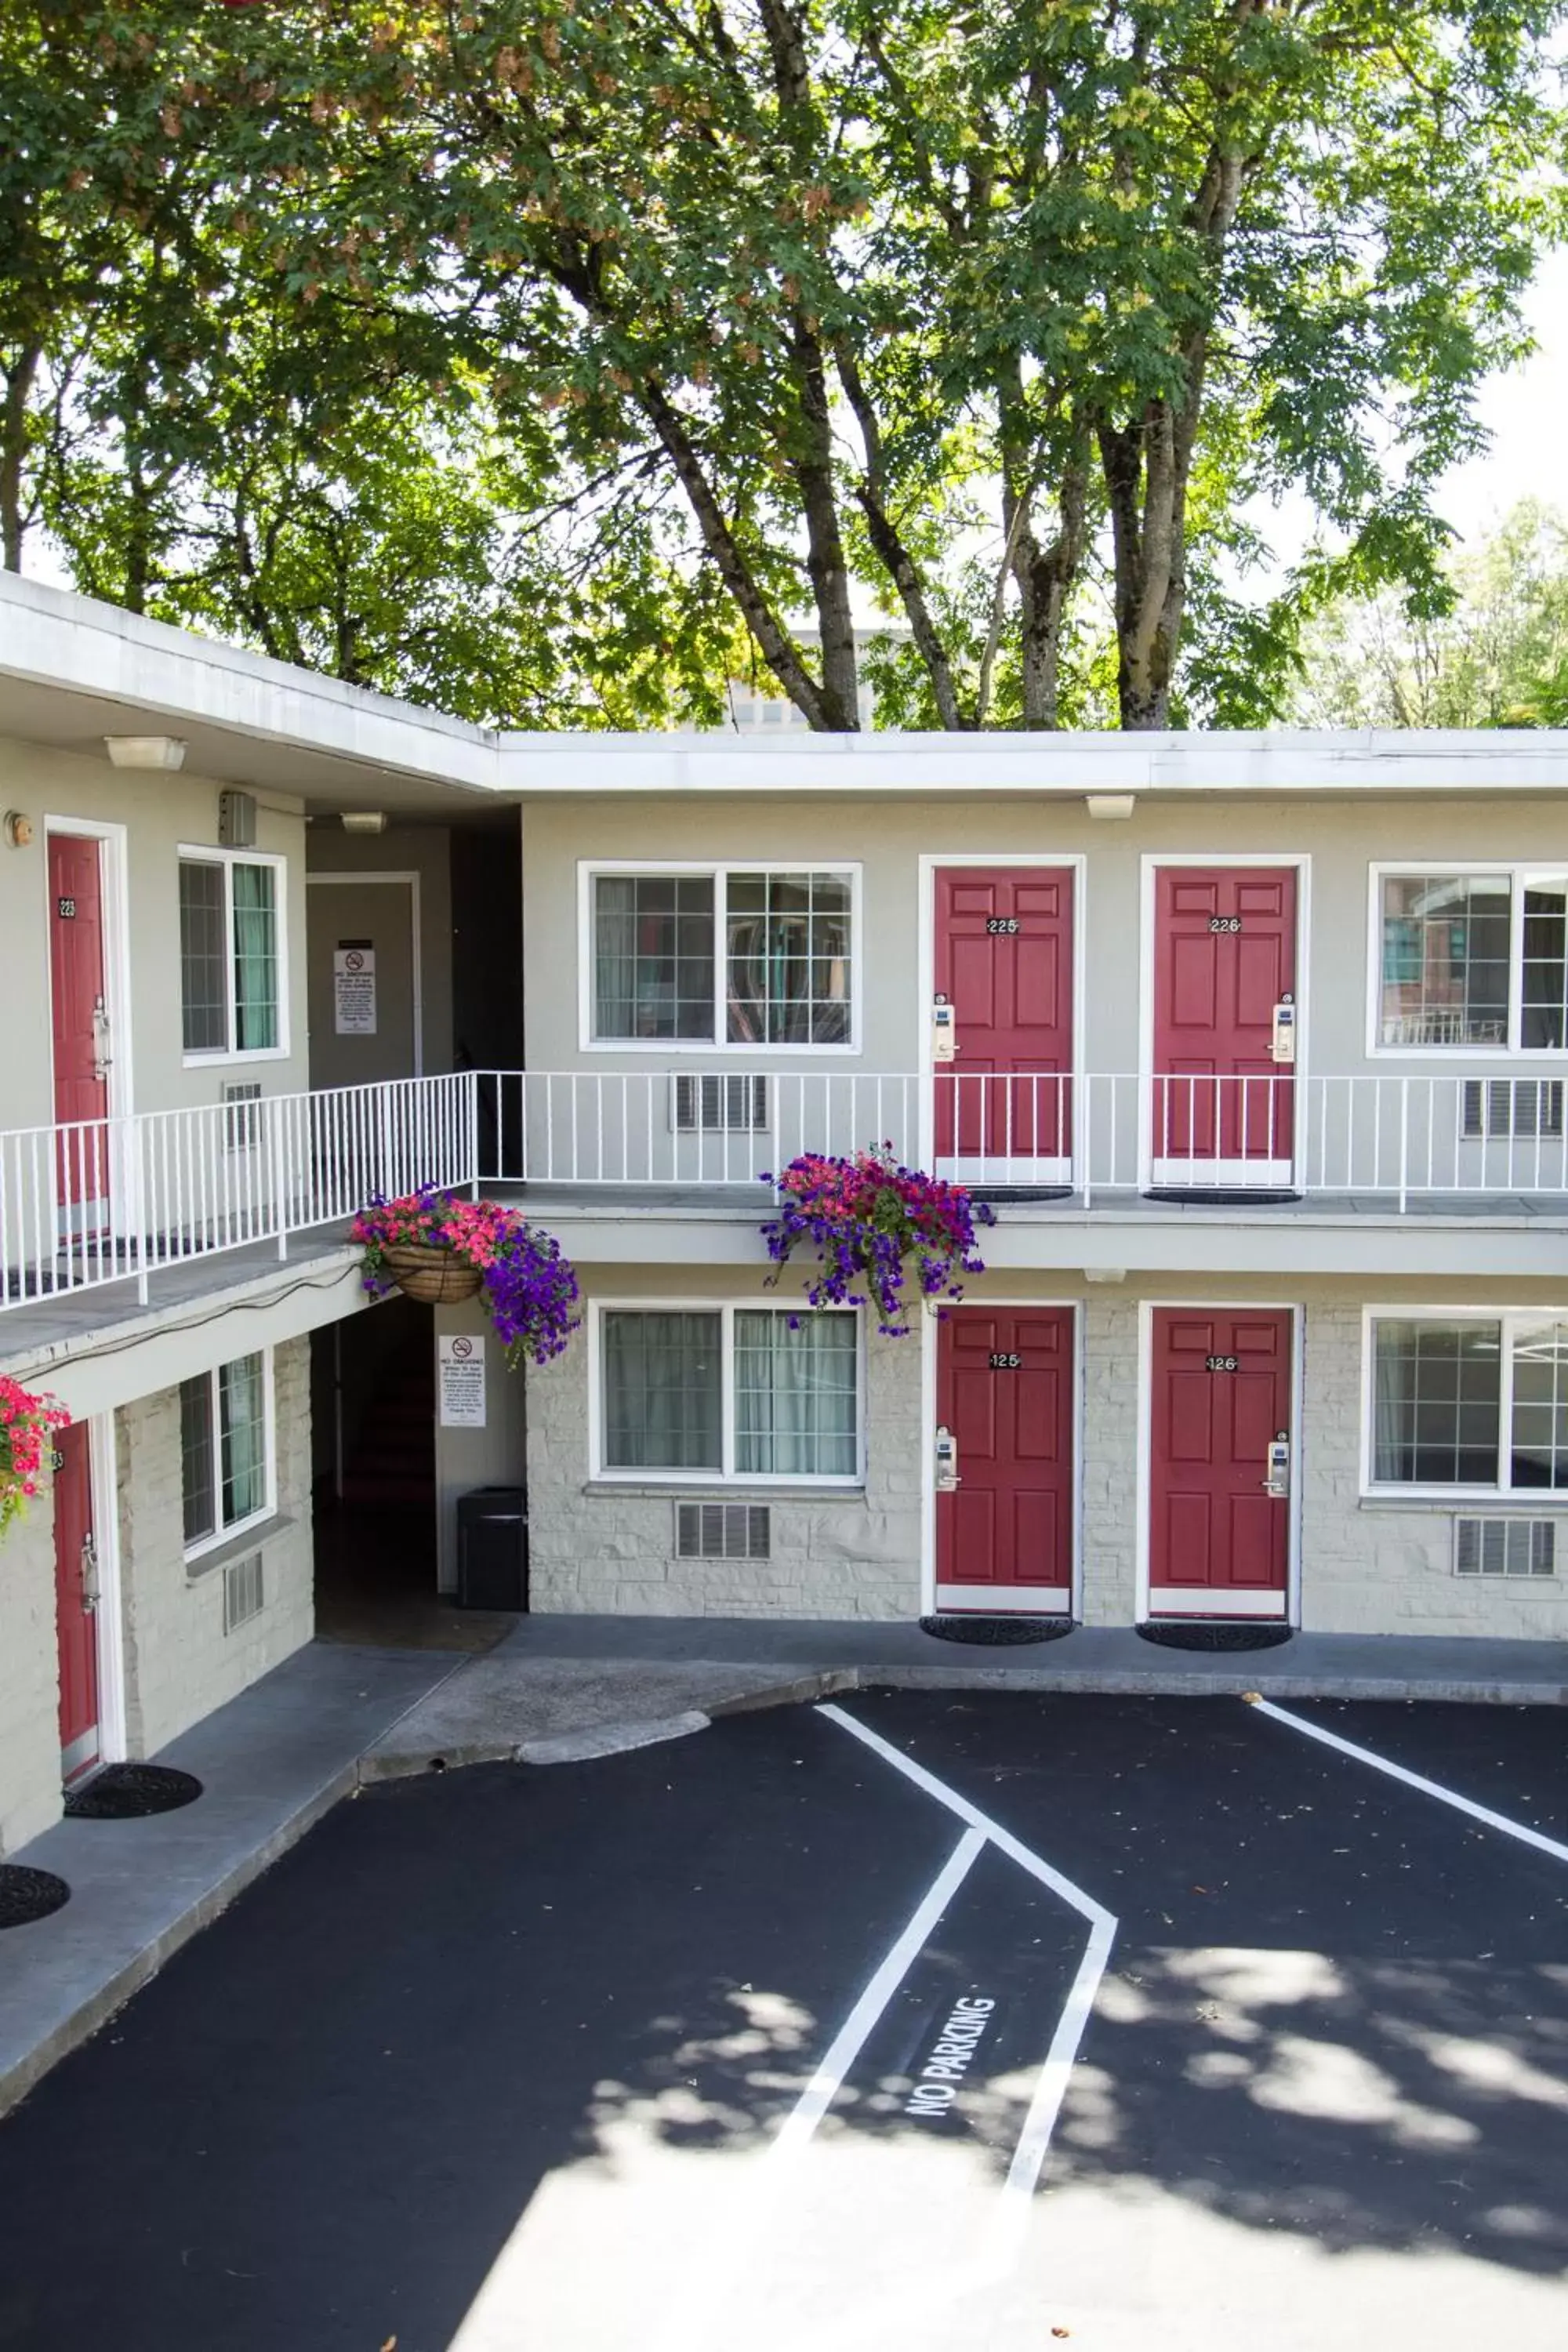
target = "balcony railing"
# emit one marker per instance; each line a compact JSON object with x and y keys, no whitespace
{"x":116,"y":1199}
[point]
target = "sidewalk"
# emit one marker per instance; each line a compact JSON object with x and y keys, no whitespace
{"x":558,"y":1688}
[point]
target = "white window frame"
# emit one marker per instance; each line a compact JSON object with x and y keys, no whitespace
{"x":196,"y":854}
{"x":1510,"y":1319}
{"x":269,"y":1506}
{"x":727,"y":1475}
{"x":701,"y":869}
{"x":1521,"y":877}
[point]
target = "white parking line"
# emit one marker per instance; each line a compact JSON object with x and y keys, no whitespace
{"x":1483,"y":1813}
{"x":1056,"y":2071}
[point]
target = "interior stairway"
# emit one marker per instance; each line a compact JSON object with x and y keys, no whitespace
{"x":393,"y":1461}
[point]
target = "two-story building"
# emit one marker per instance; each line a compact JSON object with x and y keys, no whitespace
{"x":1254,"y":1045}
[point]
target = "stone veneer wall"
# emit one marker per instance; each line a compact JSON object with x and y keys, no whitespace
{"x":179,"y":1662}
{"x":603,"y":1547}
{"x":29,"y":1679}
{"x":1108,"y":1437}
{"x":1387,"y":1567}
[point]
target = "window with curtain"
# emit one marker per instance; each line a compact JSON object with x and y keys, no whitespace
{"x":1470,"y":1401}
{"x":231,"y":981}
{"x":783,"y":977}
{"x":1450,"y":974}
{"x":226,"y":1475}
{"x":735,"y":1392}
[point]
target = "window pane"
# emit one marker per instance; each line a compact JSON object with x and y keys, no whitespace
{"x":795,"y":1396}
{"x":1436,"y":1402}
{"x":653,"y":955}
{"x":788,"y":959}
{"x":242,"y":1419}
{"x":662,"y":1392}
{"x":1445,"y":940}
{"x":1545,"y":982}
{"x":1540,"y":1446}
{"x":196,"y":1456}
{"x":204,"y":959}
{"x":255,"y":959}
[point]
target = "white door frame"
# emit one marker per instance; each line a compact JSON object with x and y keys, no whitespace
{"x":929,"y":862}
{"x":390,"y":874}
{"x":1011,"y":1302}
{"x":1189,"y":1171}
{"x":1245,"y":1604}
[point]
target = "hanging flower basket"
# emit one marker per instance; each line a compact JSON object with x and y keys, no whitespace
{"x":440,"y":1250}
{"x":28,"y":1421}
{"x":437,"y":1277}
{"x":868,"y":1221}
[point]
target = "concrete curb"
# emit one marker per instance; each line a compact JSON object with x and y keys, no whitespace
{"x":111,"y":1996}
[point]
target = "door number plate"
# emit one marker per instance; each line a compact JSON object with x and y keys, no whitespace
{"x":1225,"y":922}
{"x":1006,"y":1364}
{"x":1001,"y":926}
{"x":1221,"y":1364}
{"x":66,"y":909}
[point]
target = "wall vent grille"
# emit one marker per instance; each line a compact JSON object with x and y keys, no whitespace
{"x":1505,"y":1547}
{"x":243,"y":1594}
{"x":720,"y":1103}
{"x":242,"y":1116}
{"x":722,"y":1530}
{"x":1512,"y":1106}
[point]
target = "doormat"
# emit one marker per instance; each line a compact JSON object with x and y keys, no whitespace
{"x":123,"y":1792}
{"x":1025,"y":1192}
{"x":996,"y":1632}
{"x":29,"y":1895}
{"x":1218,"y":1634}
{"x":1221,"y":1196}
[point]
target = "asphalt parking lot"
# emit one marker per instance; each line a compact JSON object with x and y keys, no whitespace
{"x":949,"y":2021}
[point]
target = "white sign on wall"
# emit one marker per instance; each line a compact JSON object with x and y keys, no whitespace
{"x":461,"y":1361}
{"x":353,"y":989}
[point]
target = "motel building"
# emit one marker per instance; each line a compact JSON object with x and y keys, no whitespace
{"x":1257,"y":1044}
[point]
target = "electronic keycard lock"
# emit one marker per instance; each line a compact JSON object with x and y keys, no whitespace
{"x":946,"y":1461}
{"x":1283,"y":1048}
{"x":1277,"y":1482}
{"x":943,"y":1034}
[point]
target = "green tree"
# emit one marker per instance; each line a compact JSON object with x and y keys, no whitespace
{"x":1496,"y":656}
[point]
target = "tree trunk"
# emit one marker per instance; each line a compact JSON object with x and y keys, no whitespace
{"x":19,"y":382}
{"x":813,"y":469}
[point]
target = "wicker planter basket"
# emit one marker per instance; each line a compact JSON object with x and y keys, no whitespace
{"x":437,"y":1277}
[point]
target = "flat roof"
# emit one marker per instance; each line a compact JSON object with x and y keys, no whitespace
{"x":73,"y":670}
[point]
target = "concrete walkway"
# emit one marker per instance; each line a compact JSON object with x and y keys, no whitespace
{"x":271,"y":1762}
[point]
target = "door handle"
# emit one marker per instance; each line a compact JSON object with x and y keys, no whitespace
{"x":946,"y":1461}
{"x":1277,"y":1482}
{"x":102,"y":1059}
{"x":89,"y":1586}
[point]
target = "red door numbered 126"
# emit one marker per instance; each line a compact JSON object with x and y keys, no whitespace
{"x":1219,"y":1457}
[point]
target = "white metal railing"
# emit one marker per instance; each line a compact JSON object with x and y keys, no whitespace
{"x":114,"y":1200}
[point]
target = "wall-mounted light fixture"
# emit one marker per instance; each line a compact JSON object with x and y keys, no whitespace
{"x":165,"y":751}
{"x":1105,"y":1274}
{"x":18,"y":830}
{"x":365,"y":820}
{"x":1109,"y":806}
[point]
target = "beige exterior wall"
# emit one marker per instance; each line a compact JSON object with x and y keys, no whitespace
{"x":29,"y":1680}
{"x":1367,"y":1565}
{"x":1341,"y":838}
{"x":179,"y":1664}
{"x":159,"y":813}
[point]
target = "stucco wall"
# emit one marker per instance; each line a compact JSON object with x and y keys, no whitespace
{"x":598,"y":1545}
{"x":29,"y":1680}
{"x":179,"y":1662}
{"x":1340,"y":837}
{"x":160,"y":813}
{"x":424,"y":850}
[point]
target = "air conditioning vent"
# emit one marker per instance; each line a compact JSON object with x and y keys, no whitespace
{"x":1512,"y":1106}
{"x":719,"y":1104}
{"x":1505,"y":1546}
{"x":242,"y":1117}
{"x":243,"y":1595}
{"x":722,"y":1530}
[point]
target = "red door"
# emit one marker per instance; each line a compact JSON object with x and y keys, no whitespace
{"x":77,"y":997}
{"x":75,"y":1583}
{"x":1004,"y":1394}
{"x":1225,"y":966}
{"x":1219,"y":1540}
{"x":1004,"y":963}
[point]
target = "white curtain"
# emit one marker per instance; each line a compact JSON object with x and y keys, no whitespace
{"x":663,"y":1391}
{"x":242,"y":1420}
{"x":795,"y":1396}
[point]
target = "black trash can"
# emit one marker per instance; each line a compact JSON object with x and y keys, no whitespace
{"x":492,"y":1548}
